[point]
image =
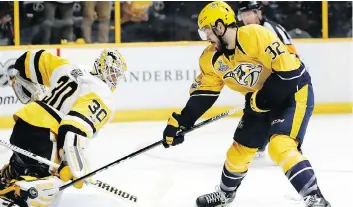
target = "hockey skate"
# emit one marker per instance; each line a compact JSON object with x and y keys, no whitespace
{"x":316,"y":201}
{"x":215,"y":199}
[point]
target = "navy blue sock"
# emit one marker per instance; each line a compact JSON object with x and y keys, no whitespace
{"x":230,"y":181}
{"x":303,"y":179}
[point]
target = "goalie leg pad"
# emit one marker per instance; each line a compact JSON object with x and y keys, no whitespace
{"x":72,"y":154}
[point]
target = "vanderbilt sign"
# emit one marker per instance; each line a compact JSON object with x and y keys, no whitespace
{"x":161,"y":75}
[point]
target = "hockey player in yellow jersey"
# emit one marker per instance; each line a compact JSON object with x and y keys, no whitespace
{"x":279,"y":101}
{"x":66,"y":105}
{"x":252,"y":12}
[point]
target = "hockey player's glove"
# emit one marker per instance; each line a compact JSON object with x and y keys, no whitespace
{"x":170,"y":137}
{"x":250,"y":104}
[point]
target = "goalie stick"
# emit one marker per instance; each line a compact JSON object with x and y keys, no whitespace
{"x":201,"y":124}
{"x":95,"y":184}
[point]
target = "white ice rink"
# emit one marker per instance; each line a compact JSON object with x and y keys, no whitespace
{"x":175,"y":177}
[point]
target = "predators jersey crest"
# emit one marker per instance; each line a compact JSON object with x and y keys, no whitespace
{"x":246,"y":74}
{"x":257,"y":54}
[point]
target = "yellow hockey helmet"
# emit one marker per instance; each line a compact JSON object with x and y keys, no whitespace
{"x":214,"y":12}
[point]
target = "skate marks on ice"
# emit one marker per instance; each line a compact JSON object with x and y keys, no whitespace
{"x":198,"y":161}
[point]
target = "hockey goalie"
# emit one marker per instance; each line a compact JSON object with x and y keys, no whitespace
{"x":65,"y":106}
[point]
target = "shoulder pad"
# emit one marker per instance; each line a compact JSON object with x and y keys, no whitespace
{"x":76,"y":72}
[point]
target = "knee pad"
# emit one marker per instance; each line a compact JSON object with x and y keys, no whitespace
{"x":283,"y":150}
{"x":239,"y":157}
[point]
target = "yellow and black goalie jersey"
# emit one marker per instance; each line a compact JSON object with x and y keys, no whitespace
{"x":39,"y":66}
{"x":260,"y":63}
{"x":76,"y":100}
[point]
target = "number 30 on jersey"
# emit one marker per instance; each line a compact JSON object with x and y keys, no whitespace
{"x":96,"y":110}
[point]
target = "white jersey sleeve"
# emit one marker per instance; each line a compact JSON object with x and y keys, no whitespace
{"x":92,"y":107}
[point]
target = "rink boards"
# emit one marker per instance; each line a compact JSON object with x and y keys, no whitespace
{"x":160,"y":76}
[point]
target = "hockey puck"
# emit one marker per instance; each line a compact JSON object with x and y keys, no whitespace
{"x":32,"y":193}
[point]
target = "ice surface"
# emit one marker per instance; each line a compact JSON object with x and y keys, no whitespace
{"x":175,"y":177}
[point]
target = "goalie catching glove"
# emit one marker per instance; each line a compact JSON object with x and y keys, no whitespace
{"x":170,"y":137}
{"x":25,"y":91}
{"x":74,"y":164}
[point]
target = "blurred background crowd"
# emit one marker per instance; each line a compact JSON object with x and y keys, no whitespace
{"x":80,"y":22}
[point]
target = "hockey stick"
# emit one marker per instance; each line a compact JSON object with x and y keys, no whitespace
{"x":201,"y":124}
{"x":95,"y":184}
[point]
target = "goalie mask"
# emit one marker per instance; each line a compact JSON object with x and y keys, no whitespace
{"x":110,"y":67}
